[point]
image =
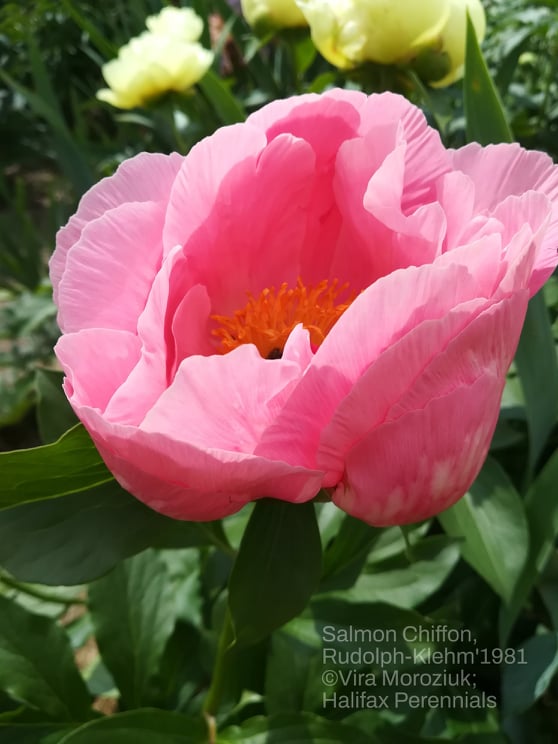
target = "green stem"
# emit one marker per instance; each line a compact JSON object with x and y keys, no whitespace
{"x":38,"y":593}
{"x":213,"y":699}
{"x":408,"y":547}
{"x":221,"y":544}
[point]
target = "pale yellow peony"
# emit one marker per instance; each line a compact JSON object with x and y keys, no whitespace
{"x":454,"y":36}
{"x":271,"y":15}
{"x":183,"y":23}
{"x":165,"y":58}
{"x":350,"y":32}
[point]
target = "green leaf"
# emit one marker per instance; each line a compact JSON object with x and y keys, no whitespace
{"x":541,"y":507}
{"x":277,"y":568}
{"x":77,"y":538}
{"x":134,"y":612}
{"x":528,"y":678}
{"x":146,"y":726}
{"x":302,"y":728}
{"x":54,"y":414}
{"x":485,"y":117}
{"x":538,"y":371}
{"x":69,"y":465}
{"x":37,"y":665}
{"x":350,"y":546}
{"x":225,"y":104}
{"x":408,"y":585}
{"x":32,"y":733}
{"x":489,"y":519}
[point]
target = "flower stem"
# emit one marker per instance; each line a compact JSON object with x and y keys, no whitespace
{"x":408,"y":547}
{"x":217,"y":686}
{"x":38,"y":593}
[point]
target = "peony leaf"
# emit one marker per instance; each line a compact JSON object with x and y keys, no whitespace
{"x":66,"y":466}
{"x":490,"y":518}
{"x":538,"y":372}
{"x":57,"y":542}
{"x":225,"y":104}
{"x":37,"y":666}
{"x":301,"y":728}
{"x":144,"y":726}
{"x":408,"y":585}
{"x":485,"y":116}
{"x":277,"y":568}
{"x":541,"y":506}
{"x":526,"y":678}
{"x":54,"y":414}
{"x":134,"y":612}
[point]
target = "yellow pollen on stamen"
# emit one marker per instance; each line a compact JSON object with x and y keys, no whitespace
{"x":267,"y":320}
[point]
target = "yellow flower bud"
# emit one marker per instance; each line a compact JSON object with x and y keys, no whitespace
{"x":349,"y":32}
{"x":182,"y":23}
{"x":454,"y":36}
{"x":152,"y":64}
{"x":271,"y":15}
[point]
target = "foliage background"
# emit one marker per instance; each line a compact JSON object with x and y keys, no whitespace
{"x":108,"y":608}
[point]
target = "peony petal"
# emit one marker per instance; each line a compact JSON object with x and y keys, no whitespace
{"x":224,"y":401}
{"x":505,"y":170}
{"x":224,"y":198}
{"x":426,"y":159}
{"x":185,"y":482}
{"x":145,"y":177}
{"x":110,"y":270}
{"x":87,"y":382}
{"x":370,"y":325}
{"x":323,"y":120}
{"x":150,"y":377}
{"x":420,"y":464}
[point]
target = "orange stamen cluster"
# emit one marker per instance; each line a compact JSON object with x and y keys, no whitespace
{"x":268,"y":319}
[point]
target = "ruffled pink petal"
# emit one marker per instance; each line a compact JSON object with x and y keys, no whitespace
{"x":325,"y":122}
{"x":370,"y":325}
{"x":246,"y":392}
{"x":145,"y":177}
{"x":110,"y":270}
{"x":387,"y":380}
{"x":186,"y":482}
{"x":420,"y":464}
{"x":228,"y":227}
{"x":322,"y":120}
{"x":89,"y":383}
{"x":150,"y":376}
{"x":505,"y":170}
{"x":426,"y":159}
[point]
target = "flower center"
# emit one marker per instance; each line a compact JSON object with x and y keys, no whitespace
{"x":268,"y":319}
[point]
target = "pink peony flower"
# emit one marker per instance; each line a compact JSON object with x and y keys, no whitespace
{"x":322,"y":297}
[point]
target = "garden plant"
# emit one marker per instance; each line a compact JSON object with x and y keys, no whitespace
{"x":278,"y":372}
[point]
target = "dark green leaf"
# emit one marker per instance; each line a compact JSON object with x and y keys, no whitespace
{"x":408,"y":585}
{"x":276,"y":570}
{"x":538,"y":372}
{"x":77,"y":538}
{"x":486,"y":121}
{"x":67,"y":466}
{"x":37,"y":665}
{"x":293,"y":729}
{"x":350,"y":547}
{"x":542,"y":515}
{"x":134,"y":612}
{"x":147,"y":726}
{"x":525,"y":680}
{"x":489,"y":519}
{"x":32,"y":733}
{"x":54,"y":413}
{"x":225,"y":104}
